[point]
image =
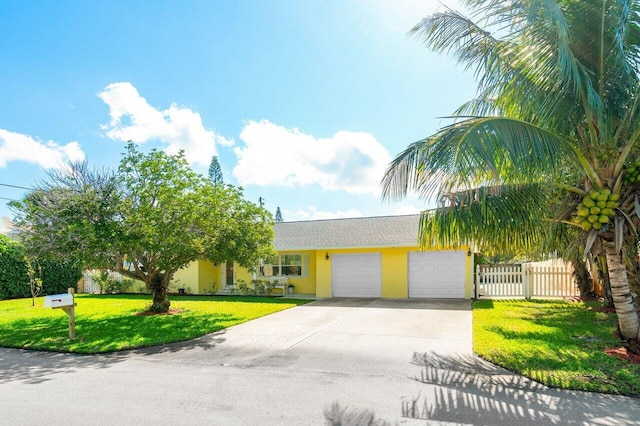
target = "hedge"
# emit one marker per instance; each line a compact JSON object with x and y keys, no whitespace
{"x":57,"y":276}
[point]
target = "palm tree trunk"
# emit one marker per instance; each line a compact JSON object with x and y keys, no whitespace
{"x":603,"y":276}
{"x":582,"y":277}
{"x":621,"y":292}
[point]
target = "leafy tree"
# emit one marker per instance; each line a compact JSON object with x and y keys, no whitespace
{"x":215,"y":171}
{"x":279,"y":215}
{"x":146,"y":220}
{"x":548,"y":151}
{"x":35,"y":279}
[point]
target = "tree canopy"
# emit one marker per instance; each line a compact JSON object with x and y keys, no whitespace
{"x":146,"y":220}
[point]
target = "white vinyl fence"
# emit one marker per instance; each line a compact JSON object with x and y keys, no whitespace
{"x":90,"y":285}
{"x":524,"y":281}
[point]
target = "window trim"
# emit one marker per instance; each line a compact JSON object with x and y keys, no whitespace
{"x":304,"y":266}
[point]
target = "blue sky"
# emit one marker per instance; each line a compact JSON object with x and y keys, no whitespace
{"x":304,"y":102}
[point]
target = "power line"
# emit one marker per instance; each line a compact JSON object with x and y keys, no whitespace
{"x":10,"y":199}
{"x":16,"y":186}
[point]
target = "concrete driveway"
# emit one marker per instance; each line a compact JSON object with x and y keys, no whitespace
{"x":409,"y":361}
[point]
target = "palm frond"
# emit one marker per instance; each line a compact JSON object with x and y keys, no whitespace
{"x":503,"y":218}
{"x":475,"y":152}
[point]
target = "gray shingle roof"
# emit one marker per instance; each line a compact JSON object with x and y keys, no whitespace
{"x":384,"y":231}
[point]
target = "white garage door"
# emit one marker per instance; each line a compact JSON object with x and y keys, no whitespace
{"x":437,"y":274}
{"x":356,"y":275}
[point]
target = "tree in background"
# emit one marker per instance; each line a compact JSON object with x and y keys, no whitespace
{"x":550,"y":148}
{"x":279,"y":215}
{"x":215,"y":171}
{"x":147,"y":219}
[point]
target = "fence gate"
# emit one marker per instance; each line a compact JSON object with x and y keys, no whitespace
{"x":524,"y":281}
{"x":90,"y":286}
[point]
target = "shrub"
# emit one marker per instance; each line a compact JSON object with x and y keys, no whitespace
{"x":257,"y":287}
{"x":110,"y":285}
{"x":14,"y":281}
{"x":57,"y":276}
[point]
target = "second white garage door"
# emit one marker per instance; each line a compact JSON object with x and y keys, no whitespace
{"x":356,"y":275}
{"x":437,"y":274}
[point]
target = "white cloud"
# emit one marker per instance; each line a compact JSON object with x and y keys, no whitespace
{"x":224,"y":141}
{"x":49,"y":155}
{"x":132,"y":118}
{"x":274,"y":155}
{"x":314,"y":214}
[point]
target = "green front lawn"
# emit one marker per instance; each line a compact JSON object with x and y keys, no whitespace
{"x":556,"y":343}
{"x":109,"y":323}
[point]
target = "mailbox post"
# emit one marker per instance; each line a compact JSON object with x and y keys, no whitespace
{"x":67,"y":304}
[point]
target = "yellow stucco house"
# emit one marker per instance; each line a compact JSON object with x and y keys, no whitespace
{"x":359,"y":257}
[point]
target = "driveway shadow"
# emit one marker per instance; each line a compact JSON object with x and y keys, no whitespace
{"x":467,"y":389}
{"x":35,"y":367}
{"x":202,"y":343}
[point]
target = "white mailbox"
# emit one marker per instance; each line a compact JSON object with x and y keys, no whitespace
{"x":58,"y":300}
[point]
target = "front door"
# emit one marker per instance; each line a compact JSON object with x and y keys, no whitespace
{"x":229,"y":278}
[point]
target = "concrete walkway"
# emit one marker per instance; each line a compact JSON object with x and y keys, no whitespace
{"x":408,"y":361}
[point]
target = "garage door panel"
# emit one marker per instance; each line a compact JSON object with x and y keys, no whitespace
{"x":356,"y":275}
{"x":440,"y":274}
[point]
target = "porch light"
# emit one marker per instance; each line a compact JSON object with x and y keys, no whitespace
{"x":326,"y":255}
{"x":469,"y":252}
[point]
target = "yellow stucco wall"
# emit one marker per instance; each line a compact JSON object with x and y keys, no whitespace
{"x":394,"y":273}
{"x":138,"y":286}
{"x":468,"y":292}
{"x":199,"y":276}
{"x":323,"y":273}
{"x":242,"y":274}
{"x":186,"y":278}
{"x":208,"y":277}
{"x":395,"y":283}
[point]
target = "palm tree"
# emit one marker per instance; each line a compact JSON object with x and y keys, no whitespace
{"x":548,"y":146}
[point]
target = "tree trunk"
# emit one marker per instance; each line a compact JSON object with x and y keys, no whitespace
{"x":157,"y":282}
{"x":583,"y":278}
{"x":160,"y":298}
{"x":601,"y":263}
{"x":621,"y":292}
{"x":633,"y":274}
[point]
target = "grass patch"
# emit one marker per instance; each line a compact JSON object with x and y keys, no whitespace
{"x":107,"y":323}
{"x":556,"y":343}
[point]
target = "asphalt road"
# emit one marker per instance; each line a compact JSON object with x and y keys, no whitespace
{"x":410,"y":362}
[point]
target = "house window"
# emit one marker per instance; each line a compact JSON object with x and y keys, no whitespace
{"x":290,"y":265}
